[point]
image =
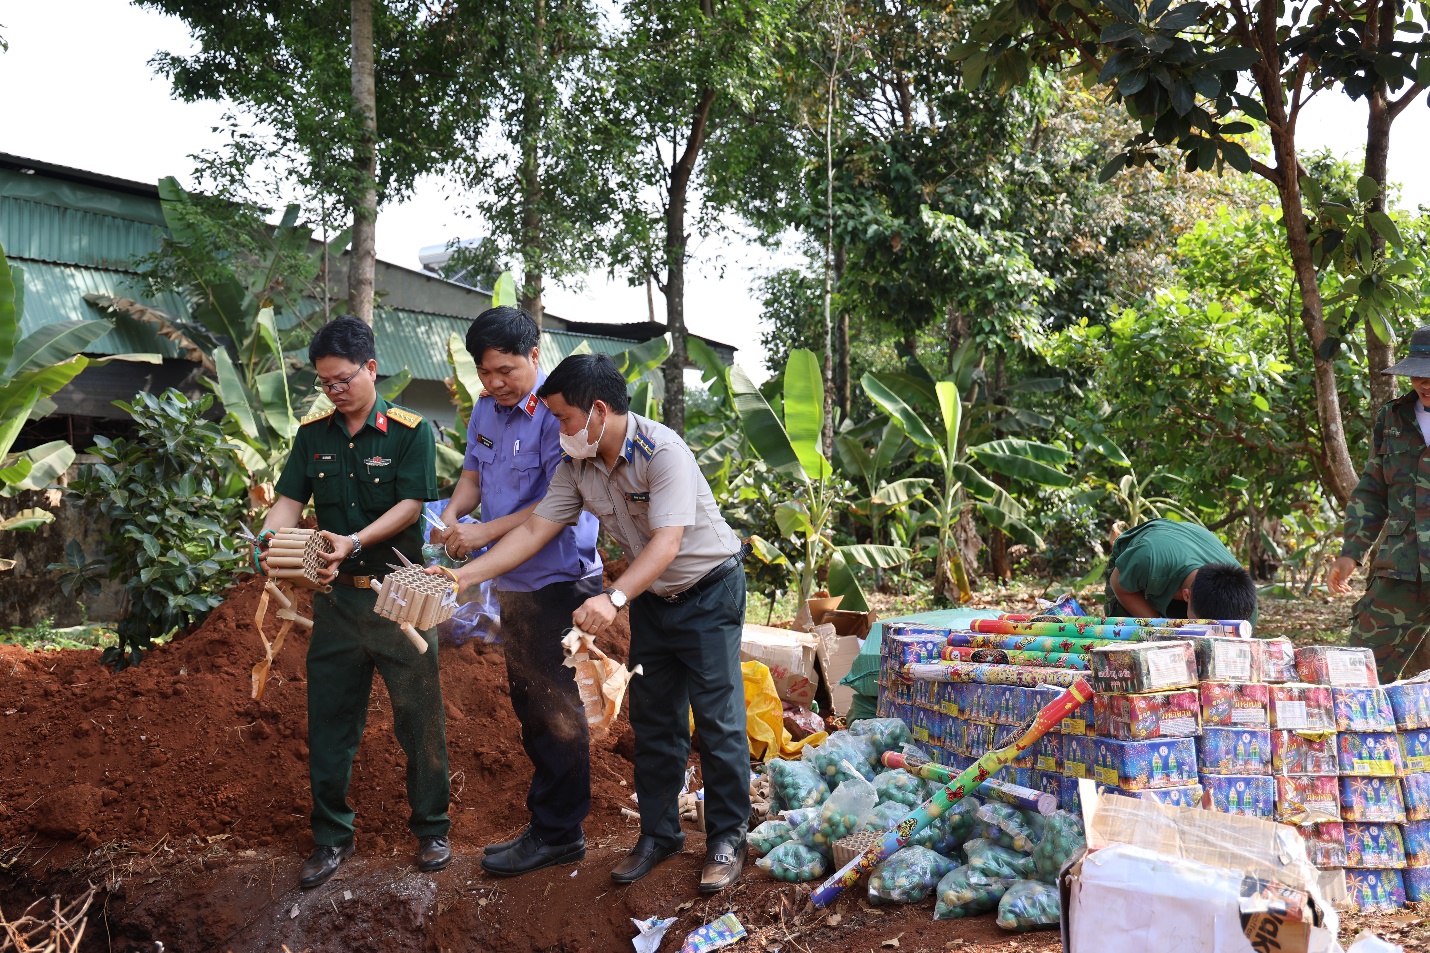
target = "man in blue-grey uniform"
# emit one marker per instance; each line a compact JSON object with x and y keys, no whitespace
{"x":513,"y":448}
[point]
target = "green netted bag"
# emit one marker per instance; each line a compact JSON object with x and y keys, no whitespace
{"x":1029,"y":905}
{"x":966,"y":891}
{"x":907,"y":877}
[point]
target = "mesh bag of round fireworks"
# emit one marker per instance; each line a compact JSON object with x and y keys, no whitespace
{"x":1008,"y":827}
{"x":841,"y":757}
{"x":770,"y":835}
{"x":898,"y":785}
{"x":908,"y":877}
{"x":840,"y":814}
{"x":794,"y":863}
{"x":966,"y":891}
{"x":998,"y":861}
{"x":884,"y":817}
{"x":1062,"y":837}
{"x":1029,"y":905}
{"x":797,"y":783}
{"x":886,"y":734}
{"x":947,"y":832}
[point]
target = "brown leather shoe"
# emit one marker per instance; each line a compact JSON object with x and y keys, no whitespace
{"x":322,"y":863}
{"x":723,"y":862}
{"x":643,"y":857}
{"x":433,"y":853}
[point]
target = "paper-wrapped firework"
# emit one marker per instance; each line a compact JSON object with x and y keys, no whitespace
{"x":601,"y":681}
{"x":1023,"y":643}
{"x":1028,"y":676}
{"x":415,"y":600}
{"x":1078,"y":630}
{"x":1233,"y":627}
{"x":296,"y":556}
{"x":966,"y":653}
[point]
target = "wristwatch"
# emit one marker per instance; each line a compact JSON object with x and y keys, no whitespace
{"x":618,"y":598}
{"x":357,"y":545}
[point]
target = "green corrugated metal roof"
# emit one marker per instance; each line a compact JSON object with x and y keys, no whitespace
{"x":30,"y":230}
{"x":56,"y":293}
{"x":95,"y":198}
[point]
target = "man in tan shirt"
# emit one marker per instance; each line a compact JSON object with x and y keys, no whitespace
{"x":686,"y":589}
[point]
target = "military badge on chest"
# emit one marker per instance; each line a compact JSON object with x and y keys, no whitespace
{"x":378,"y":461}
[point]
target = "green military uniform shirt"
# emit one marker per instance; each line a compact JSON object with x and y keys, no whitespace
{"x":1155,"y":558}
{"x":1394,"y":493}
{"x":354,"y":479}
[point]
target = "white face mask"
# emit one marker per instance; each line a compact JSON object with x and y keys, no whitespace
{"x":576,"y":446}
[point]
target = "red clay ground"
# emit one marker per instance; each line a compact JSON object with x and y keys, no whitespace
{"x":186,"y":803}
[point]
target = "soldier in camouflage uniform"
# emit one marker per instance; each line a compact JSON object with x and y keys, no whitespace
{"x":1393,"y":495}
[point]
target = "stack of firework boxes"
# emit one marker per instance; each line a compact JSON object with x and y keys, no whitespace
{"x":1238,"y":725}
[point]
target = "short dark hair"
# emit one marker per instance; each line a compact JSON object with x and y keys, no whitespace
{"x":1224,"y":591}
{"x":509,"y":330}
{"x":583,"y":379}
{"x":346,"y":337}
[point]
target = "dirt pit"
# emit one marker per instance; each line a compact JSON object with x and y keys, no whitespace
{"x":186,"y":803}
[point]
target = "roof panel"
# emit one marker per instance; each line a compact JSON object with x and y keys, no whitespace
{"x":56,"y":293}
{"x":47,"y":233}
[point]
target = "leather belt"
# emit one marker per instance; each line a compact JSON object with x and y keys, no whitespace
{"x":709,"y":579}
{"x":357,"y":582}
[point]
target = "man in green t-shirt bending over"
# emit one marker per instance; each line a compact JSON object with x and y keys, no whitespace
{"x":1167,"y":570}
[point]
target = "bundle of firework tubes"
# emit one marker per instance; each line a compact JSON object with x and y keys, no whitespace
{"x":1193,"y":713}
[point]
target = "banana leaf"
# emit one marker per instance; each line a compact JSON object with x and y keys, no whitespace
{"x":763,"y":429}
{"x":635,"y":362}
{"x":12,"y":307}
{"x":804,"y":411}
{"x":54,"y":343}
{"x":892,"y":396}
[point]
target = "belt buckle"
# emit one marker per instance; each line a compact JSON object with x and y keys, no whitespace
{"x":362,"y":582}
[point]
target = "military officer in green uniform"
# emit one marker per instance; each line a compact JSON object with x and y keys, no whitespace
{"x":686,"y":589}
{"x":368,"y":466}
{"x":1393,"y":495}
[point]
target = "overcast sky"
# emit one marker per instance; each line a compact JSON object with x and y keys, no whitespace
{"x":79,"y":92}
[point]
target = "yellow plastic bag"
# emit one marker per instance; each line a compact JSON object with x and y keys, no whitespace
{"x":764,"y":717}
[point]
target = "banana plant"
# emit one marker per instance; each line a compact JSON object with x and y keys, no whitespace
{"x":872,"y":462}
{"x":1132,"y":495}
{"x":934,"y":419}
{"x":789,"y":443}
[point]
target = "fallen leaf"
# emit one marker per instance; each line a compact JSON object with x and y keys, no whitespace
{"x":834,"y":919}
{"x":954,"y":944}
{"x":685,"y":906}
{"x":294,"y":912}
{"x":892,"y":942}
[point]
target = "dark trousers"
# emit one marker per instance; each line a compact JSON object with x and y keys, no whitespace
{"x":690,"y":656}
{"x":546,"y":702}
{"x":349,"y":642}
{"x":1176,"y":609}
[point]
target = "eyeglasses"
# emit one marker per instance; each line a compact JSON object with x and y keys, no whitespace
{"x":337,"y":387}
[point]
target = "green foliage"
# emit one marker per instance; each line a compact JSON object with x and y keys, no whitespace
{"x":172,"y":497}
{"x":43,"y":636}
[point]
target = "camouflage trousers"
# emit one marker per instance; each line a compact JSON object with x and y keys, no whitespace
{"x":1392,"y":619}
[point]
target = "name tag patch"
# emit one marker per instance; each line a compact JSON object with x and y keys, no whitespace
{"x":638,"y":497}
{"x":325,"y":457}
{"x":485,"y":441}
{"x":378,"y":461}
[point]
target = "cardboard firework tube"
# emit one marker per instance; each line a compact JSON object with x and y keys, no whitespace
{"x":414,"y":636}
{"x":278,"y":595}
{"x":1014,"y":794}
{"x":1080,"y":630}
{"x":1024,"y":643}
{"x":1028,"y":676}
{"x":960,"y":653}
{"x":1237,"y":628}
{"x":290,"y":616}
{"x":958,"y":788}
{"x":287,"y":574}
{"x":285,"y":562}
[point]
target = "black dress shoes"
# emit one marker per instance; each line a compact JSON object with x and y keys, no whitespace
{"x":724,"y":859}
{"x":500,"y":846}
{"x":433,"y":853}
{"x":531,"y":853}
{"x":643,"y":857}
{"x":320,"y":866}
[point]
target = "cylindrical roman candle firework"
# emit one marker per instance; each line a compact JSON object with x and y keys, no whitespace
{"x":960,"y":787}
{"x":1080,"y":630}
{"x":1028,"y":676}
{"x":1025,"y":643}
{"x":296,"y":556}
{"x":415,"y":600}
{"x":1235,"y":628}
{"x":1015,"y":794}
{"x":961,"y":653}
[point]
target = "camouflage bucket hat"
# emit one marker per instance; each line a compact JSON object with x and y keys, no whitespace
{"x":1417,"y":361}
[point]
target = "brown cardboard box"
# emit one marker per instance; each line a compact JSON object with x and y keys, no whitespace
{"x":790,"y":656}
{"x":837,"y":653}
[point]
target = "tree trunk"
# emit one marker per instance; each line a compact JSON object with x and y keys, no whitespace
{"x":679,"y":194}
{"x":842,"y":383}
{"x":997,"y":539}
{"x":532,"y":114}
{"x":1378,"y":354}
{"x":362,"y":268}
{"x":828,"y":370}
{"x":1340,"y":471}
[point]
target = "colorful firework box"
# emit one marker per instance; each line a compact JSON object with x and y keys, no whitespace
{"x":1415,"y":750}
{"x":973,"y":738}
{"x":1139,"y":765}
{"x":1362,"y":709}
{"x":1183,"y":795}
{"x":1337,"y":666}
{"x":1278,"y":660}
{"x":1144,"y":667}
{"x":1375,"y":891}
{"x":905,"y":645}
{"x":1417,"y":883}
{"x":1374,"y":845}
{"x":943,"y":698}
{"x":1372,"y":799}
{"x":1411,"y":703}
{"x":1221,"y":659}
{"x":884,"y":705}
{"x":1305,"y":800}
{"x":923,"y":694}
{"x":1301,"y":707}
{"x":1247,"y":795}
{"x":1078,"y":757}
{"x":1066,"y":606}
{"x":1234,"y":705}
{"x":1048,"y":782}
{"x":1140,"y":717}
{"x":1245,"y":751}
{"x":1048,"y":754}
{"x":1417,"y":796}
{"x":1417,"y":843}
{"x":922,"y":727}
{"x":1325,"y":843}
{"x":1369,"y":754}
{"x":1295,"y":754}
